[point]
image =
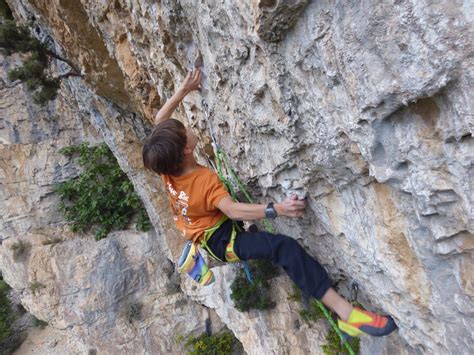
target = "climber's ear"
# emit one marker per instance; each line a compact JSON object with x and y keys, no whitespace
{"x":187,"y":150}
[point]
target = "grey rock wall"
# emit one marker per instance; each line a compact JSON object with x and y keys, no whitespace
{"x":365,"y":108}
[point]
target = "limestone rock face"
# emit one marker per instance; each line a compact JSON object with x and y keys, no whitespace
{"x":365,"y":108}
{"x":119,"y":295}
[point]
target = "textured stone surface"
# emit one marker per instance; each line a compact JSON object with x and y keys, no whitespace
{"x":51,"y":341}
{"x":366,"y":108}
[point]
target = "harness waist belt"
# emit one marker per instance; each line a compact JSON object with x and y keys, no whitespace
{"x":230,"y":254}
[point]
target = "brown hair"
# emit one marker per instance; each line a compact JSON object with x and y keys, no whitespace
{"x":163,"y":151}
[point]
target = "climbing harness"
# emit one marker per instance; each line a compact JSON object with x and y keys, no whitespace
{"x":221,"y":164}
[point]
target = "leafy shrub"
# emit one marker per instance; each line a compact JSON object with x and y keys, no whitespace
{"x":257,"y":296}
{"x":143,"y":223}
{"x":334,"y":345}
{"x":224,"y":343}
{"x":20,"y":249}
{"x":101,"y":197}
{"x":6,"y":312}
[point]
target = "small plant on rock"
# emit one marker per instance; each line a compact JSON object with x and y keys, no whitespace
{"x":257,"y":296}
{"x":133,"y":312}
{"x":101,"y":197}
{"x":334,"y":345}
{"x":224,"y":343}
{"x":311,"y":313}
{"x":35,"y":286}
{"x":20,"y":249}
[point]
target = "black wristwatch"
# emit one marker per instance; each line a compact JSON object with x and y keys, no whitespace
{"x":270,"y":211}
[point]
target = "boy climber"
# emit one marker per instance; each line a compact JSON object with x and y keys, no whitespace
{"x":203,"y":212}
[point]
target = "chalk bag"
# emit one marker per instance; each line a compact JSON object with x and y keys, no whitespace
{"x":193,"y":263}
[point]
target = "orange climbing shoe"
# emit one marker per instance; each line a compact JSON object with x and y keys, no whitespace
{"x":361,"y":321}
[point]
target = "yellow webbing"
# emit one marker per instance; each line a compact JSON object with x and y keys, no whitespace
{"x":230,"y":254}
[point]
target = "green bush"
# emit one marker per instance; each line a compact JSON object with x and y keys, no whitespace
{"x":6,"y":312}
{"x":257,"y":296}
{"x":223,"y":343}
{"x":101,"y":197}
{"x":143,"y":223}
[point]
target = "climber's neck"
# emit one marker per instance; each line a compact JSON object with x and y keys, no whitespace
{"x":189,"y":164}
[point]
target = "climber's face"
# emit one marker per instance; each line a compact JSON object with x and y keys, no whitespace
{"x":191,"y":139}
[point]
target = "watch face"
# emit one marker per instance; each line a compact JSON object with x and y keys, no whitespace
{"x":270,"y":212}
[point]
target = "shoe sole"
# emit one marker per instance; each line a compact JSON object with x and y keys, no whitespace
{"x":379,"y":332}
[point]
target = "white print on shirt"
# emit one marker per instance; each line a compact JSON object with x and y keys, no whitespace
{"x":181,"y":206}
{"x":183,"y":196}
{"x":171,"y":190}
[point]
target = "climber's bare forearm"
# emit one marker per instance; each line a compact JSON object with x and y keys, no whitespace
{"x":168,"y":108}
{"x":191,"y":82}
{"x":290,"y":207}
{"x":242,"y":211}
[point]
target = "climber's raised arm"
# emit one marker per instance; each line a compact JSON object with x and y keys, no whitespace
{"x":291,"y":207}
{"x":191,"y":83}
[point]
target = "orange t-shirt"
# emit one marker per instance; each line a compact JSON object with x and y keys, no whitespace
{"x":194,"y":198}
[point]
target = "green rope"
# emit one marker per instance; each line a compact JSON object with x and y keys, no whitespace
{"x":334,"y":326}
{"x":223,"y":162}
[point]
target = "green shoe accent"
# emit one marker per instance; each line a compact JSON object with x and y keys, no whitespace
{"x":349,"y":329}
